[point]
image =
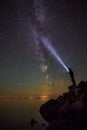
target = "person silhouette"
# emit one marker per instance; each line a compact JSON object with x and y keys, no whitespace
{"x":72,"y":76}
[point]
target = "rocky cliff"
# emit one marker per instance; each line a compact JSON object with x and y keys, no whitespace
{"x":68,"y":111}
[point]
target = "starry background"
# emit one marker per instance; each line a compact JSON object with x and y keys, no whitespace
{"x":66,"y":26}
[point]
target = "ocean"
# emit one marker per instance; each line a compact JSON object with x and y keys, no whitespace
{"x":16,"y":113}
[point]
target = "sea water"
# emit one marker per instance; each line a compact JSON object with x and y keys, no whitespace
{"x":16,"y":113}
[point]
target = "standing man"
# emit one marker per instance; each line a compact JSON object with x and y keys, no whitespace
{"x":72,"y":76}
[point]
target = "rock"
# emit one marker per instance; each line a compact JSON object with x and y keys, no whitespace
{"x":67,"y":111}
{"x":60,"y":125}
{"x":48,"y":110}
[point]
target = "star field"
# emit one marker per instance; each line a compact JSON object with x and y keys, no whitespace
{"x":65,"y":24}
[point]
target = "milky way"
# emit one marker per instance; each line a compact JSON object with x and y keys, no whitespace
{"x":40,"y":23}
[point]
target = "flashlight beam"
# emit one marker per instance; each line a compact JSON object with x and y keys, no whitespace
{"x":53,"y":51}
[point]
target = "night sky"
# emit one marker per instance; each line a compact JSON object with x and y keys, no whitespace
{"x":65,"y":25}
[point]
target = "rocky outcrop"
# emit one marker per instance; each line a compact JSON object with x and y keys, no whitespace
{"x":68,"y":110}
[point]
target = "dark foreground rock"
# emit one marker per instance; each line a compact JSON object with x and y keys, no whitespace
{"x":68,"y":110}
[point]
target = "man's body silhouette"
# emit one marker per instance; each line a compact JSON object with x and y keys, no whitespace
{"x":72,"y":76}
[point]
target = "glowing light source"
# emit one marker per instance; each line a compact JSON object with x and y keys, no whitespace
{"x":44,"y":97}
{"x":51,"y":49}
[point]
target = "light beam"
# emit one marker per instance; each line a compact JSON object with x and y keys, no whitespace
{"x":52,"y":50}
